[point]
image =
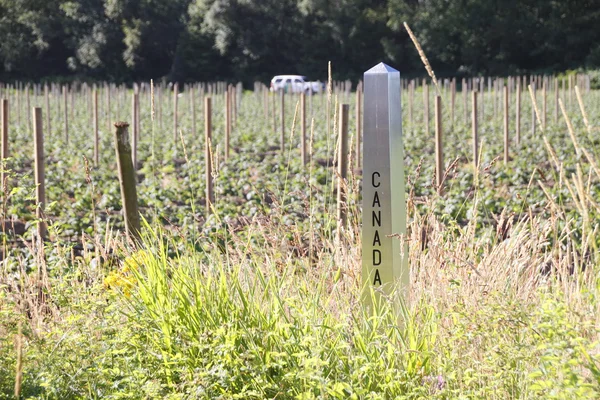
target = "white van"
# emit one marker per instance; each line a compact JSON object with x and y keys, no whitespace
{"x":295,"y":84}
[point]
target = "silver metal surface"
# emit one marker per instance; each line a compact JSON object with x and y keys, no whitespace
{"x":384,"y":264}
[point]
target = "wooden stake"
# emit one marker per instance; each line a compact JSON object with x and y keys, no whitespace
{"x":556,"y":100}
{"x":505,"y":92}
{"x":411,"y":95}
{"x":127,"y":181}
{"x":342,"y":207}
{"x":134,"y":118}
{"x":358,"y":141}
{"x":303,"y":154}
{"x":533,"y":123}
{"x":5,"y":128}
{"x":439,"y":150}
{"x":426,"y":105}
{"x":193,"y":103}
{"x":28,"y":107}
{"x":208,"y":153}
{"x":175,"y":122}
{"x":544,"y":105}
{"x":452,"y":100}
{"x":40,"y":187}
{"x":474,"y":129}
{"x":47,"y":98}
{"x":465,"y":90}
{"x":228,"y":101}
{"x":95,"y":129}
{"x":65,"y":113}
{"x":518,"y":113}
{"x":282,"y":121}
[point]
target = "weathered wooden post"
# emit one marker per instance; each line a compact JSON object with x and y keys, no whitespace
{"x":518,"y":113}
{"x":358,"y":140}
{"x":426,"y":106}
{"x":505,"y":92}
{"x":107,"y":101}
{"x":228,"y":104}
{"x":210,"y":198}
{"x":342,"y":206}
{"x":4,"y":116}
{"x":3,"y":143}
{"x":95,"y":128}
{"x":474,"y":130}
{"x":411,"y":96}
{"x":282,"y":121}
{"x":533,"y":123}
{"x":556,"y":100}
{"x":384,"y":262}
{"x":439,"y":149}
{"x":127,"y":181}
{"x":18,"y":87}
{"x":40,"y":187}
{"x":452,"y":100}
{"x":47,"y":98}
{"x":65,"y":113}
{"x":175,"y":121}
{"x":544,"y":105}
{"x":303,"y":154}
{"x":134,"y":134}
{"x":193,"y":106}
{"x":28,"y":107}
{"x":465,"y":91}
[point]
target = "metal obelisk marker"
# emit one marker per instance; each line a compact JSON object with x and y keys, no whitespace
{"x":384,"y":263}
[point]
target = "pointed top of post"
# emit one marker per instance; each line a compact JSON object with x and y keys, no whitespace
{"x":381,"y":68}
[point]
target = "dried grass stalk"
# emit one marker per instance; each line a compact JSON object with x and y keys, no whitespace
{"x":423,"y":57}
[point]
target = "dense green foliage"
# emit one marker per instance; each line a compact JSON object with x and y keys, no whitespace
{"x":206,"y":40}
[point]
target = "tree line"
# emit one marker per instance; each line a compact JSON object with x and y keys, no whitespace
{"x":248,"y":40}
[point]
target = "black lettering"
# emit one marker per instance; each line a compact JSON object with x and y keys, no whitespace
{"x":376,"y":200}
{"x":376,"y":240}
{"x":376,"y":257}
{"x":376,"y":217}
{"x":377,"y":277}
{"x":373,"y":179}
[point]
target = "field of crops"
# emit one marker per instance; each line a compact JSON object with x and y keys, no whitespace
{"x":258,"y":299}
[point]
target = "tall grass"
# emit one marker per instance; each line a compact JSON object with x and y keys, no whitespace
{"x":502,"y":305}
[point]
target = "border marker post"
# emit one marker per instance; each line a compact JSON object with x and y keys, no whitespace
{"x":384,"y":264}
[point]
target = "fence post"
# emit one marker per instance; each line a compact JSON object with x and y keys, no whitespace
{"x":533,"y":111}
{"x":385,"y":258}
{"x":193,"y":105}
{"x":303,"y":128}
{"x":282,"y":121}
{"x":474,"y":129}
{"x":40,"y":187}
{"x":95,"y":127}
{"x":65,"y":113}
{"x":47,"y":98}
{"x":426,"y":106}
{"x":175,"y":121}
{"x":439,"y":150}
{"x":4,"y":143}
{"x":134,"y":134}
{"x":544,"y":105}
{"x":5,"y":128}
{"x":342,"y":207}
{"x":228,"y":101}
{"x":127,"y":181}
{"x":208,"y":153}
{"x":359,"y":124}
{"x":505,"y":92}
{"x":518,"y":113}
